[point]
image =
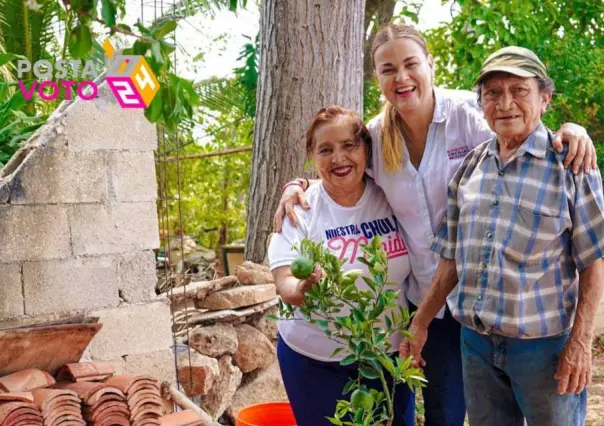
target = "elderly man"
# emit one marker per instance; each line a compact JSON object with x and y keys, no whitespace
{"x":521,"y":260}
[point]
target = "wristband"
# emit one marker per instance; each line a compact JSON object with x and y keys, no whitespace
{"x":291,"y":184}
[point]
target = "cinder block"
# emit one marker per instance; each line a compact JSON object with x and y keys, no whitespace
{"x":137,"y":276}
{"x":34,"y":233}
{"x":103,"y":125}
{"x":11,"y":292}
{"x":132,"y":330}
{"x":117,"y":228}
{"x":159,"y":364}
{"x":133,"y":176}
{"x":58,"y":176}
{"x":69,"y":285}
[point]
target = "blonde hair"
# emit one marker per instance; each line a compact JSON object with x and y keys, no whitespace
{"x":392,"y":142}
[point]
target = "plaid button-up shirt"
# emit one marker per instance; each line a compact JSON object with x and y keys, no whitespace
{"x":520,"y":233}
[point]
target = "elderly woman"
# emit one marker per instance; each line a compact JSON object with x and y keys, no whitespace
{"x":348,"y":209}
{"x":419,"y":141}
{"x":521,"y":260}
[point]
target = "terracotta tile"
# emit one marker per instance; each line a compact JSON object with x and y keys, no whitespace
{"x":63,"y":415}
{"x":135,"y":398}
{"x":83,"y":389}
{"x":151,"y":412}
{"x":132,"y":382}
{"x":85,"y":371}
{"x":112,"y":421}
{"x":65,"y":420}
{"x":147,"y":421}
{"x":181,"y":418}
{"x":17,"y":396}
{"x":19,"y":413}
{"x":26,"y":380}
{"x":47,"y":398}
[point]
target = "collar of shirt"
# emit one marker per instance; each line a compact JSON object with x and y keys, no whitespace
{"x":536,"y":144}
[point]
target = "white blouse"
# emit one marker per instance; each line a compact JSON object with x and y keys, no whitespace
{"x":418,"y":197}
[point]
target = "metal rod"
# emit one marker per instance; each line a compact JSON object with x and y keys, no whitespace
{"x":205,"y":155}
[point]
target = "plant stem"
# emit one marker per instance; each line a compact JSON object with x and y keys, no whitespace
{"x":388,"y":398}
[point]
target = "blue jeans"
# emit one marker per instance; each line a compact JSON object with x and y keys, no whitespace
{"x":313,"y":387}
{"x":443,"y":395}
{"x":507,"y":380}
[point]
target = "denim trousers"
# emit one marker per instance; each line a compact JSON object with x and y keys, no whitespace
{"x":508,"y":380}
{"x":313,"y":388}
{"x":443,"y":395}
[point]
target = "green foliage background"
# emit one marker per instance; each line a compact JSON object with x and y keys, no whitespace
{"x":567,"y":35}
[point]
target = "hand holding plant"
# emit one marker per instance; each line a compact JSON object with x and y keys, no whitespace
{"x":362,"y":321}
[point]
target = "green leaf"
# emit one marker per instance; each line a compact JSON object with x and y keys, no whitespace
{"x":368,"y":373}
{"x":349,"y":386}
{"x":108,"y":12}
{"x":350,"y":359}
{"x":336,"y":351}
{"x":80,"y":41}
{"x":233,"y":5}
{"x":164,"y":29}
{"x":322,"y":324}
{"x":153,"y":111}
{"x":7,"y":57}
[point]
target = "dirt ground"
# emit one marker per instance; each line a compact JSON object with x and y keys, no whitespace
{"x":595,"y":398}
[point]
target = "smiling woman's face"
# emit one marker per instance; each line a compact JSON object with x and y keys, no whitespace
{"x":404,"y":73}
{"x":512,"y":105}
{"x":340,"y":157}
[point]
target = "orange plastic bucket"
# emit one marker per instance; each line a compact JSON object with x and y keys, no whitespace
{"x":267,"y":414}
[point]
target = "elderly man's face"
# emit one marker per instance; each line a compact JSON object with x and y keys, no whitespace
{"x":513,"y":106}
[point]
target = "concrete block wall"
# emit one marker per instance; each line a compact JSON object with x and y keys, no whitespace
{"x":78,"y":225}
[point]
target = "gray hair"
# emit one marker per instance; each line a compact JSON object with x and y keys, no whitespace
{"x":546,"y":85}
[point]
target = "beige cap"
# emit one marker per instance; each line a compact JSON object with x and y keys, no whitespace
{"x":514,"y":60}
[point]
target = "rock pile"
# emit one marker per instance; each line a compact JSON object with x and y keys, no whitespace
{"x":227,"y":353}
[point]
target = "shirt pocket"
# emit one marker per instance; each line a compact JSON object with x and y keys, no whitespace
{"x":535,"y":232}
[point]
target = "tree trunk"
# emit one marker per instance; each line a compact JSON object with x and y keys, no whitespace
{"x":311,"y":55}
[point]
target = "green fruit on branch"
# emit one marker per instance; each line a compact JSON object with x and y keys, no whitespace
{"x":302,"y":268}
{"x":361,"y":399}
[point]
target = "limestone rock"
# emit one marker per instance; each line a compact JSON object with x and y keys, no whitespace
{"x":214,"y":340}
{"x":197,"y":372}
{"x":267,"y":386}
{"x":267,"y":326}
{"x":253,"y":274}
{"x":220,"y":396}
{"x":231,"y":315}
{"x":238,"y":297}
{"x":255,"y":350}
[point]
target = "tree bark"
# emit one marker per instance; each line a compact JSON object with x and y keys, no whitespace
{"x":311,"y":55}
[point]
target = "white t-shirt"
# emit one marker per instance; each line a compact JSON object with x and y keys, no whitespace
{"x":341,"y":229}
{"x":419,"y":196}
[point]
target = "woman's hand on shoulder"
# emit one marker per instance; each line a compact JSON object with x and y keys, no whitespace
{"x":581,"y":149}
{"x":293,"y":195}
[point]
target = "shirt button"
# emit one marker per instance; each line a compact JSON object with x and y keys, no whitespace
{"x":479,"y":297}
{"x":484,"y":265}
{"x":501,"y":173}
{"x":495,"y":203}
{"x":489,"y":235}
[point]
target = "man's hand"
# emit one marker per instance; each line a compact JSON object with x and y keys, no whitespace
{"x":574,"y":366}
{"x":293,"y":194}
{"x":581,"y":150}
{"x":414,"y":347}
